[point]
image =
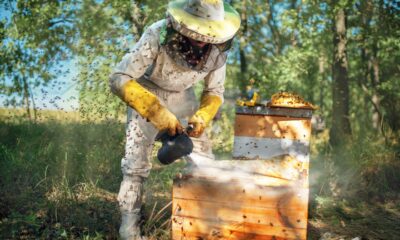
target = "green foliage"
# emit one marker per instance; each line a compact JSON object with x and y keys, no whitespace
{"x":221,"y":133}
{"x":283,"y":45}
{"x":107,"y":31}
{"x":290,"y":48}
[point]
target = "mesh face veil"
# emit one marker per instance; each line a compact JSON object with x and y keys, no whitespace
{"x":179,"y":48}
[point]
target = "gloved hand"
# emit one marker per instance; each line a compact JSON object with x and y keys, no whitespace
{"x":148,"y":106}
{"x":208,"y":108}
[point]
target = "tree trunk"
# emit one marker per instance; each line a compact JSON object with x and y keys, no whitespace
{"x":243,"y":76}
{"x":369,"y":59}
{"x":276,"y":37}
{"x":364,"y":80}
{"x":376,"y":114}
{"x":26,"y":97}
{"x":33,"y":106}
{"x":341,"y":130}
{"x":293,"y":37}
{"x":322,"y":79}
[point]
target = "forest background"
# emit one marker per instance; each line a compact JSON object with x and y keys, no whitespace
{"x":59,"y":157}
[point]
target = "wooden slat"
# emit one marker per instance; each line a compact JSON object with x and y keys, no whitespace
{"x":283,"y":167}
{"x":255,"y":180}
{"x":244,"y":193}
{"x":194,"y":228}
{"x":272,"y":127}
{"x":232,"y":236}
{"x":280,"y":215}
{"x":267,"y":148}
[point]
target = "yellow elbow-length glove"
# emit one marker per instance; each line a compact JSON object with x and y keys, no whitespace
{"x":208,"y":108}
{"x":149,"y":107}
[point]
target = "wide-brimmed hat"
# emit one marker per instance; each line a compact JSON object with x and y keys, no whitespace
{"x":211,"y":21}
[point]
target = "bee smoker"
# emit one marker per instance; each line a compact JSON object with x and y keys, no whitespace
{"x":174,"y":147}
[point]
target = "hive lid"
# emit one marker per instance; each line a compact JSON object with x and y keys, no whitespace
{"x":275,"y":111}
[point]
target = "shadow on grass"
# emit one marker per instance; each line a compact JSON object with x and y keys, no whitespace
{"x":348,"y":220}
{"x":34,"y":216}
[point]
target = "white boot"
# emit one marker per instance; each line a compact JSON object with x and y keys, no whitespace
{"x":130,"y":229}
{"x":130,"y":202}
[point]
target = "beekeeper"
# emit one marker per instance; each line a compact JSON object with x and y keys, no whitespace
{"x":156,"y":80}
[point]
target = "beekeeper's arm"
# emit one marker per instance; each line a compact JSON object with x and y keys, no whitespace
{"x":211,"y":100}
{"x":123,"y":83}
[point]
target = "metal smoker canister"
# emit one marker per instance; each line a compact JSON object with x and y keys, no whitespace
{"x":174,"y":147}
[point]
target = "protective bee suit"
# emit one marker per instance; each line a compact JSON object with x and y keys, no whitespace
{"x":155,"y":79}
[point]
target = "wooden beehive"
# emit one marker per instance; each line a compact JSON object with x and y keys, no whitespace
{"x":264,"y":195}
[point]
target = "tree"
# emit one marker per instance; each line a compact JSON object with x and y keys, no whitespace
{"x":284,"y":45}
{"x":107,"y":30}
{"x":341,"y":130}
{"x":35,"y":38}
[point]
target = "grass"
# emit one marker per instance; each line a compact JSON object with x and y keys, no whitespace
{"x":60,"y":178}
{"x":356,"y":192}
{"x":355,"y":218}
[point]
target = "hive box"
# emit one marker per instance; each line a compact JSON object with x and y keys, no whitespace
{"x":261,"y":194}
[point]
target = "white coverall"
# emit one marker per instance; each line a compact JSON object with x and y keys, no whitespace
{"x":172,"y":84}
